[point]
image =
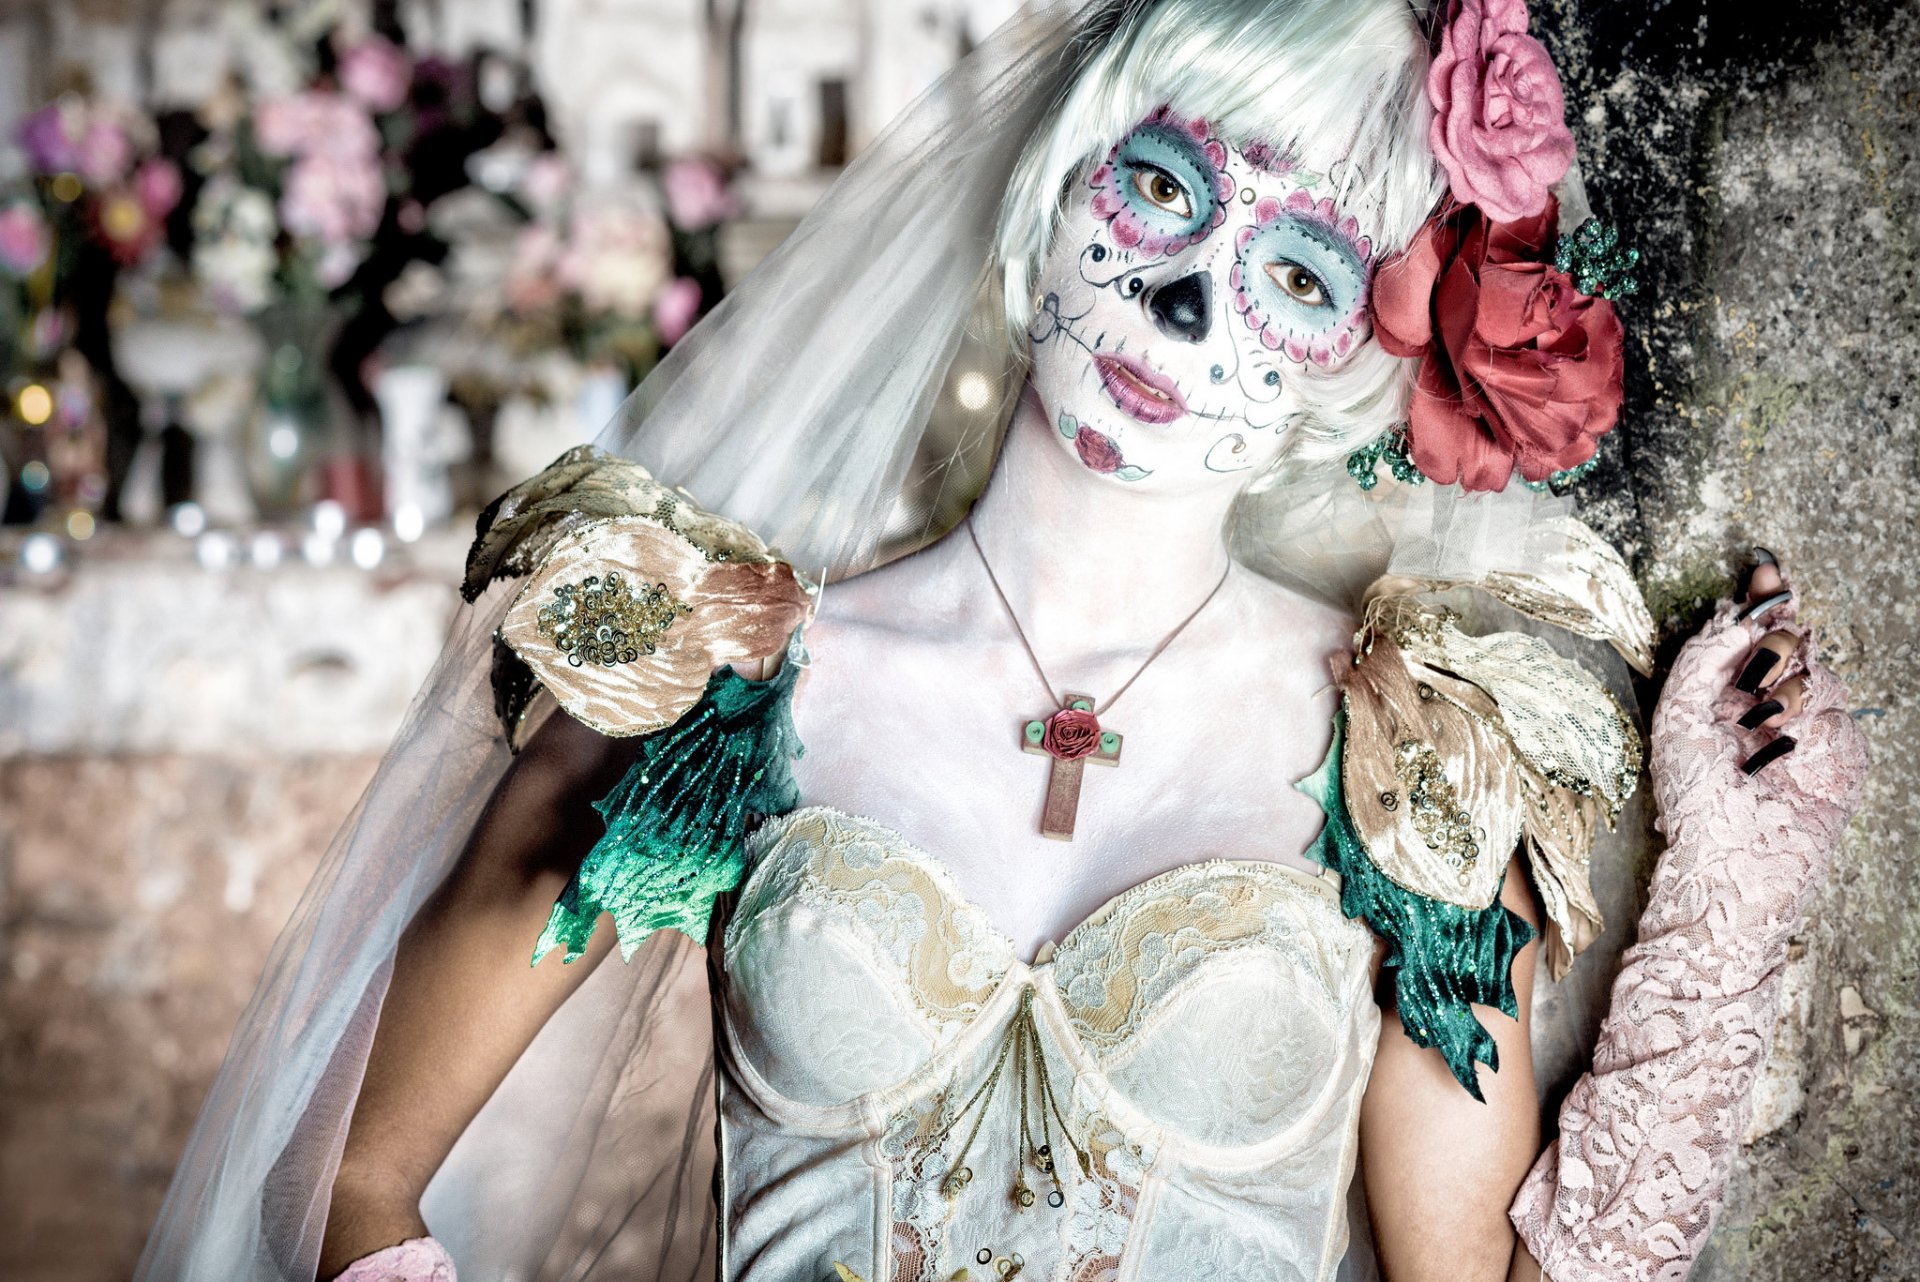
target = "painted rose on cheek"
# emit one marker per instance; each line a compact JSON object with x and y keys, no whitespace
{"x":1098,"y":451}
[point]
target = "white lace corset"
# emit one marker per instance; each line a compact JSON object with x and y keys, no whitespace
{"x":1207,"y":1034}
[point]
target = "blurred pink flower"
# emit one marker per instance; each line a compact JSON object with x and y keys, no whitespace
{"x":105,"y":152}
{"x":547,"y":181}
{"x":333,"y":197}
{"x":533,"y":278}
{"x":124,"y":226}
{"x":618,"y":256}
{"x":314,"y":122}
{"x":157,"y":184}
{"x":377,"y":72}
{"x":49,"y":137}
{"x":23,"y":238}
{"x":697,"y":194}
{"x":676,"y":308}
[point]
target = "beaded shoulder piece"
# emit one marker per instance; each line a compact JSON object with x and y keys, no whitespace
{"x":1451,"y":750}
{"x":635,"y":607}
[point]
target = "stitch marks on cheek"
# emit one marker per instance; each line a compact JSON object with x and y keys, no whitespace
{"x":1098,"y":451}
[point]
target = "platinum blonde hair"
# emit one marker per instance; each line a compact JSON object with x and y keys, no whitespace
{"x":1341,"y":84}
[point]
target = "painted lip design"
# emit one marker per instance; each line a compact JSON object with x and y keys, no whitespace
{"x":1140,"y":391}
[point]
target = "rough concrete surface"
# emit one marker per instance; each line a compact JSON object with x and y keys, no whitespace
{"x":1767,"y":159}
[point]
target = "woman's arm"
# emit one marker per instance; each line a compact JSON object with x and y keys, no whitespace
{"x":1441,"y":1167}
{"x":1631,"y":1188}
{"x":463,"y":1002}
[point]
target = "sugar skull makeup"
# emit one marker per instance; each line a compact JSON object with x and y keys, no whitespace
{"x":1300,"y":278}
{"x":1192,"y":282}
{"x":1164,"y":186}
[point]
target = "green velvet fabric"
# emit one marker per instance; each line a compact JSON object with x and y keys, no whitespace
{"x":676,"y":823}
{"x":1444,"y":956}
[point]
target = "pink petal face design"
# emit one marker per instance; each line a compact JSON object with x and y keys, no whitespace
{"x":1191,"y":282}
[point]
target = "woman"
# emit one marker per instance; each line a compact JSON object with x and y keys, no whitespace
{"x":985,"y":1008}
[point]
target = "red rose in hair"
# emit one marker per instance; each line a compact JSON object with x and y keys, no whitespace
{"x":1518,"y":368}
{"x":1071,"y":734}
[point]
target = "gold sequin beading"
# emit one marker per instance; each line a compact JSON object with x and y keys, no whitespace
{"x":603,"y":621}
{"x":1437,"y":814}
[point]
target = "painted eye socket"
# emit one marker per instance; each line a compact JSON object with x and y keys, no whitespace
{"x":1298,"y":283}
{"x":1163,"y":190}
{"x":1301,"y":277}
{"x":1163,"y":187}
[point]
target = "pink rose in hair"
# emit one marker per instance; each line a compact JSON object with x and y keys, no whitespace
{"x":1499,"y":128}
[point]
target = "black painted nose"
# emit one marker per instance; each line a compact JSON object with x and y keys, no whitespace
{"x":1183,"y":308}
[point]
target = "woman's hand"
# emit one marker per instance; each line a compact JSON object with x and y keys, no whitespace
{"x":1757,"y":767}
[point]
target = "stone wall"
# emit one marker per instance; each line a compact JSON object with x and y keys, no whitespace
{"x":1766,"y":156}
{"x":177,"y":747}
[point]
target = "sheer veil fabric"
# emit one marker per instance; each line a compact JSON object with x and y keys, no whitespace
{"x":846,"y":402}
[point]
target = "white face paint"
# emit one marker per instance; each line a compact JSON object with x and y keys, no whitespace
{"x":1191,"y":280}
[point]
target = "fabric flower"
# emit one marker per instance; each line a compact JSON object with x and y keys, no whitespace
{"x":591,"y":514}
{"x":649,"y":617}
{"x":1517,"y":367}
{"x":1499,"y":126}
{"x":1072,"y":733}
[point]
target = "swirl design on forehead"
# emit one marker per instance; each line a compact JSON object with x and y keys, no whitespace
{"x":1301,"y":278}
{"x":1163,"y":187}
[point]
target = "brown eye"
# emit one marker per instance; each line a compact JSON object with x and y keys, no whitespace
{"x":1160,"y":187}
{"x":1299,"y":283}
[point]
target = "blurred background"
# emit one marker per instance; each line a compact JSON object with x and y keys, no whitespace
{"x":287,"y":291}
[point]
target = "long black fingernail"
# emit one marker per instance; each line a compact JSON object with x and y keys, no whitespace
{"x":1768,"y":755}
{"x":1761,"y":607}
{"x":1757,"y":556}
{"x":1748,"y":682}
{"x":1760,"y":712}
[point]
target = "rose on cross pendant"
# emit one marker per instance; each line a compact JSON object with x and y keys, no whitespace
{"x":1072,"y":737}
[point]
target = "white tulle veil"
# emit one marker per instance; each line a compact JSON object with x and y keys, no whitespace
{"x":846,"y":402}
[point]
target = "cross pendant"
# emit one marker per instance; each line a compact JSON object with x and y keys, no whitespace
{"x":1072,"y":737}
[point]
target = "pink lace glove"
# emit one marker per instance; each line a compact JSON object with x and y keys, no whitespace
{"x":1631,"y":1188}
{"x":419,"y":1259}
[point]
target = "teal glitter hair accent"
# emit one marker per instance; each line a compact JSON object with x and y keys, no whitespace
{"x":1445,"y":956}
{"x":1561,"y":482}
{"x":1392,"y":448}
{"x":1600,"y":266}
{"x":676,"y":823}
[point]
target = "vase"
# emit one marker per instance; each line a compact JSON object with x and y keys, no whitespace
{"x":298,"y":411}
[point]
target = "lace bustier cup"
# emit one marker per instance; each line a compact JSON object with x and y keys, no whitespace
{"x":1187,"y":1064}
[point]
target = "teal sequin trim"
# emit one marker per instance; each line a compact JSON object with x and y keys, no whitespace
{"x":1395,"y":450}
{"x":1561,"y":482}
{"x":1446,"y":956}
{"x":1600,"y":265}
{"x":676,"y":824}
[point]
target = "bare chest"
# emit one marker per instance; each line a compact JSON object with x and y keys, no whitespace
{"x":926,"y":735}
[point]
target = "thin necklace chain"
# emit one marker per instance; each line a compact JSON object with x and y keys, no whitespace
{"x":1040,"y":671}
